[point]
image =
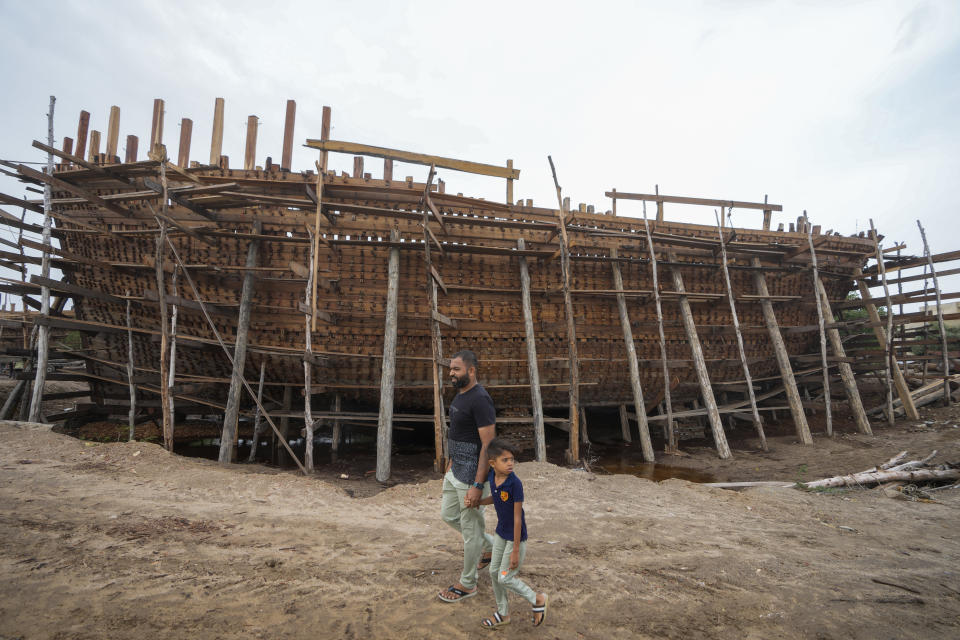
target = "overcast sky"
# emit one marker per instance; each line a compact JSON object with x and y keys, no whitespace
{"x":850,"y":110}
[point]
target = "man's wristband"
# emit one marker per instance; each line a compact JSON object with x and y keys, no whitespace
{"x":478,"y":485}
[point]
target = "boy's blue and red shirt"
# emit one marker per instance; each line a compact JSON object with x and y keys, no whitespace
{"x":504,"y":497}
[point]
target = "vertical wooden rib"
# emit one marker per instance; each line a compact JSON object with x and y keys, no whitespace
{"x":509,"y":184}
{"x":286,"y":156}
{"x":388,"y":170}
{"x":186,"y":133}
{"x":82,"y":127}
{"x":113,"y":134}
{"x":216,"y":139}
{"x":94,"y":145}
{"x":132,"y":143}
{"x":156,"y":127}
{"x":250,"y":154}
{"x":536,"y":400}
{"x":357,"y":166}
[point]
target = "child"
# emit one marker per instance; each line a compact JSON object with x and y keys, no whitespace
{"x":509,"y":541}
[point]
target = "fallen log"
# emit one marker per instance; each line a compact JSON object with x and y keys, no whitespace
{"x":878,"y":477}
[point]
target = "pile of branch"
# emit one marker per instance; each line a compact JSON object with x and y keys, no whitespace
{"x":893,"y":470}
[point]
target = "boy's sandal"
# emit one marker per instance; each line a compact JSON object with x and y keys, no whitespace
{"x":485,"y":562}
{"x":460,"y":593}
{"x":542,"y":610}
{"x":492,"y":623}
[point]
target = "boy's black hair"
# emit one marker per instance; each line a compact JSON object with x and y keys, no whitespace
{"x":469,"y":358}
{"x":499,"y":445}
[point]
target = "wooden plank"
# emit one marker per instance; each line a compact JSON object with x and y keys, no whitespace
{"x":438,"y":279}
{"x":435,"y":212}
{"x":19,"y":202}
{"x":289,"y":120}
{"x":711,"y":202}
{"x":83,"y":292}
{"x":102,"y":171}
{"x":783,"y":358}
{"x":442,"y":319}
{"x":894,"y":265}
{"x":466,"y":166}
{"x":646,"y":444}
{"x":940,"y":325}
{"x":533,"y":369}
{"x":186,"y":134}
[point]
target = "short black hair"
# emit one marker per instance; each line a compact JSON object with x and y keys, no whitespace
{"x":469,"y":358}
{"x":499,"y":445}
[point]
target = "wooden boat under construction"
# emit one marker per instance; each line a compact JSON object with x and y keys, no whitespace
{"x":328,"y":251}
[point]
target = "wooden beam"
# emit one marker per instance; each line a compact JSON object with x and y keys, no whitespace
{"x":700,"y":366}
{"x":827,"y":396}
{"x":250,"y":153}
{"x":82,"y":127}
{"x":131,"y":154}
{"x":466,"y":166}
{"x":710,"y":202}
{"x":113,"y":134}
{"x":783,"y":358}
{"x":216,"y":139}
{"x":536,"y":401}
{"x":388,"y":371}
{"x":186,"y":134}
{"x":641,"y":410}
{"x":94,"y":146}
{"x":286,"y":156}
{"x":942,"y":327}
{"x":156,"y":125}
{"x":19,"y":202}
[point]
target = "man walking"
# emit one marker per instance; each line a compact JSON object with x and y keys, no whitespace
{"x":472,"y":427}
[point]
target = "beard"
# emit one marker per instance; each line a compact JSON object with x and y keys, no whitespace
{"x":459,"y":383}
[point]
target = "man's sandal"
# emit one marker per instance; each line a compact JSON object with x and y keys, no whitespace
{"x":485,"y":562}
{"x":542,"y":610}
{"x":460,"y":593}
{"x":492,"y":623}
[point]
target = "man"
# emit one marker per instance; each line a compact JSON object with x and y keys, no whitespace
{"x":472,"y":427}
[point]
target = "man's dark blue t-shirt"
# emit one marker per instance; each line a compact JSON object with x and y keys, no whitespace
{"x":504,"y":497}
{"x":468,"y":412}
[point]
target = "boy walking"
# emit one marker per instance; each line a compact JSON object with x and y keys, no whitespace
{"x":509,"y":541}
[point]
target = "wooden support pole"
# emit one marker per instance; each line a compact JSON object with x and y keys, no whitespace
{"x":250,"y":154}
{"x":309,"y":303}
{"x":315,"y":255}
{"x":671,"y":444}
{"x":846,"y":371}
{"x":510,"y":184}
{"x":757,"y":422}
{"x":436,"y":343}
{"x":700,"y":365}
{"x":573,"y":450}
{"x":533,"y":369}
{"x":231,"y":417}
{"x":131,"y":416}
{"x":640,"y":408}
{"x":43,"y":334}
{"x":156,"y":126}
{"x":584,"y":436}
{"x":172,"y":374}
{"x":827,"y":395}
{"x":216,"y":139}
{"x":357,"y":166}
{"x":337,"y":431}
{"x":113,"y":134}
{"x":903,"y":390}
{"x":283,"y":433}
{"x":286,"y":157}
{"x":161,"y":294}
{"x":132,"y":143}
{"x":942,"y":327}
{"x":889,"y":359}
{"x":186,"y":134}
{"x":767,"y":215}
{"x":82,"y":127}
{"x":257,"y":415}
{"x":385,"y":421}
{"x":624,"y":424}
{"x":783,"y":358}
{"x":388,"y":170}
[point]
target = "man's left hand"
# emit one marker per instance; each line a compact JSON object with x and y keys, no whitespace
{"x":473,"y":498}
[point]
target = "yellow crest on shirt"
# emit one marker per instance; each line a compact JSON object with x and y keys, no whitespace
{"x":504,"y":496}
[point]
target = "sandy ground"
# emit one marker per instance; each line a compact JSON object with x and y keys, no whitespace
{"x":124,"y":540}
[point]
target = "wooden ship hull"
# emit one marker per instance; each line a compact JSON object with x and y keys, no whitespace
{"x":272,"y":227}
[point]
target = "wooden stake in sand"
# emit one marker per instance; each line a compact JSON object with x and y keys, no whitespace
{"x":257,"y":415}
{"x":43,"y":335}
{"x":385,"y":421}
{"x":671,"y":436}
{"x":171,"y":378}
{"x":133,"y":387}
{"x":943,"y":332}
{"x":536,"y":400}
{"x":309,"y":306}
{"x":641,"y":410}
{"x":888,"y":343}
{"x":827,"y":400}
{"x":757,"y":422}
{"x":161,"y":156}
